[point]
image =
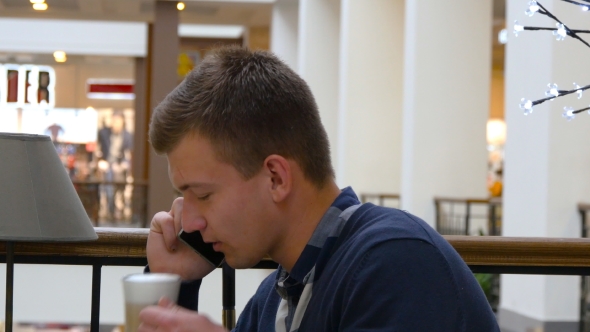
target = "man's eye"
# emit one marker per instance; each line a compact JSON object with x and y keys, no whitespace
{"x":203,"y":197}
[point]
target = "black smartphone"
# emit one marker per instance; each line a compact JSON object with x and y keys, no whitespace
{"x":195,"y":241}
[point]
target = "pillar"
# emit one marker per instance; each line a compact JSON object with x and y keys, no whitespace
{"x":141,"y":147}
{"x":318,"y":47}
{"x":445,"y":102}
{"x":370,"y":95}
{"x":284,"y":28}
{"x":163,"y":51}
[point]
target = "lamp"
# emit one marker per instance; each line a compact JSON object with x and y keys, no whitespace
{"x":496,"y":132}
{"x":38,"y":201}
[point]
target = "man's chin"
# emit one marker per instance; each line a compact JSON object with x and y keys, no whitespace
{"x":240,"y":262}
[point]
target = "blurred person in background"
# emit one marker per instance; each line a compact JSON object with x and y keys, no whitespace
{"x":114,"y":155}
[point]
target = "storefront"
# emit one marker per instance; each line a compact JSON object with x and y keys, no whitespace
{"x":86,"y":105}
{"x":94,"y":144}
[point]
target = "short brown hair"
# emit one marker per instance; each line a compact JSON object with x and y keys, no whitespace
{"x":249,"y":105}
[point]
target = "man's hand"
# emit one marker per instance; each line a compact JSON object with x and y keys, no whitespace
{"x":165,"y":253}
{"x":169,"y":317}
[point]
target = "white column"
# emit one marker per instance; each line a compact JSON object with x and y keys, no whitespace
{"x":446,"y":102}
{"x":319,"y":35}
{"x":284,"y":31}
{"x":546,"y":163}
{"x":371,"y":88}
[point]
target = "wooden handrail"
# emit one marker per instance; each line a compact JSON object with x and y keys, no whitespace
{"x":112,"y":242}
{"x":487,"y":254}
{"x":522,"y":251}
{"x":461,"y":200}
{"x":475,"y":250}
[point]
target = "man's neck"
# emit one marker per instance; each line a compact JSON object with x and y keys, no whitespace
{"x":306,"y":210}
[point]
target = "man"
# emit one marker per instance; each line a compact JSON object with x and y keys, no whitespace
{"x":248,"y":152}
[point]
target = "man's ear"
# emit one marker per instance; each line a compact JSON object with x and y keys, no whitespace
{"x":280,"y":175}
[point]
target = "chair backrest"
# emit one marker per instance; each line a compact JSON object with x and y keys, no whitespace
{"x":468,"y":216}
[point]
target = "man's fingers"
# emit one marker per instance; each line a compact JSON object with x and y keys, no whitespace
{"x":166,"y":303}
{"x":157,"y":220}
{"x":162,"y":316}
{"x":154,"y":316}
{"x":176,"y":209}
{"x":144,"y":327}
{"x":163,"y":224}
{"x":172,"y":318}
{"x":169,"y":233}
{"x":176,"y":213}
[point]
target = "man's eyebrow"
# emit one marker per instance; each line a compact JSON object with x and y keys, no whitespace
{"x":191,"y":185}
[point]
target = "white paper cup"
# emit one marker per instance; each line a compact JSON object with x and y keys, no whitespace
{"x":144,"y":289}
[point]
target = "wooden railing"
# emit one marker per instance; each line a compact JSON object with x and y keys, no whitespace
{"x":115,"y":247}
{"x":132,"y":198}
{"x":486,"y":254}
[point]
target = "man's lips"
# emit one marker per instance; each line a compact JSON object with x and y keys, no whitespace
{"x":216,"y":246}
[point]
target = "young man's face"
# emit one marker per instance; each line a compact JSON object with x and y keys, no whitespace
{"x":233,"y":213}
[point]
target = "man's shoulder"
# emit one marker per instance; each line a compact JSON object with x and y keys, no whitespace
{"x":370,"y":227}
{"x":378,"y":223}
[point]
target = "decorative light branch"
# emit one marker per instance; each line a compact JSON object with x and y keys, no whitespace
{"x":560,"y":32}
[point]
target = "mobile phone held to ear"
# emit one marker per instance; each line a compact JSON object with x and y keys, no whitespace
{"x":195,"y":241}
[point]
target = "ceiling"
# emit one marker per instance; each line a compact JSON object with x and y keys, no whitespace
{"x":242,"y":12}
{"x":231,"y":12}
{"x":252,"y":13}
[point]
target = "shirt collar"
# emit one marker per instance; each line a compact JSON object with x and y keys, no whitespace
{"x":327,"y":226}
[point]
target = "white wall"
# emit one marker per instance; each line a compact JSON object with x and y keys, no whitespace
{"x":446,"y":102}
{"x":546,"y":161}
{"x":371,"y":90}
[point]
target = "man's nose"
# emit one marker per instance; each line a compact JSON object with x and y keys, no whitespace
{"x":192,"y":220}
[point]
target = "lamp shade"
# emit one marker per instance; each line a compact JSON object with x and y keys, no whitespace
{"x":38,"y":201}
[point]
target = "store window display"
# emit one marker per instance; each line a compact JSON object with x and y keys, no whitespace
{"x":95,"y":147}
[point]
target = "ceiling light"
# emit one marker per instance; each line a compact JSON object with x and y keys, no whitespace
{"x":180,"y":6}
{"x":40,"y":6}
{"x":210,"y":31}
{"x":60,"y":56}
{"x":496,"y":132}
{"x":37,"y":1}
